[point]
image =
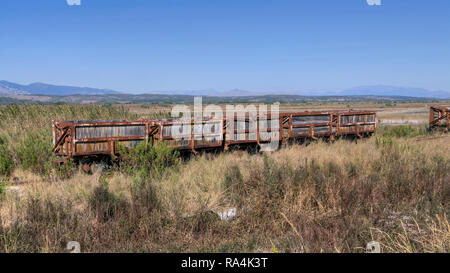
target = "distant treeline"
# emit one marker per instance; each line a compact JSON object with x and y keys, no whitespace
{"x":186,"y":99}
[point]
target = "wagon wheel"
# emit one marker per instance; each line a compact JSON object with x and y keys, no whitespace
{"x":92,"y":167}
{"x":98,"y":167}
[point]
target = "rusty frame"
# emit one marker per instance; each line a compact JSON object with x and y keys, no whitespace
{"x":65,"y":140}
{"x":440,"y":118}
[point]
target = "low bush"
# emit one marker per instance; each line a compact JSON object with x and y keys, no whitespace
{"x":2,"y":188}
{"x":6,"y":162}
{"x":104,"y":204}
{"x":403,"y":131}
{"x":147,"y":160}
{"x":35,"y":152}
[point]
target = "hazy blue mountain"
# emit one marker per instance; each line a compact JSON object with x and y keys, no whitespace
{"x":385,"y":90}
{"x":205,"y":92}
{"x":9,"y":88}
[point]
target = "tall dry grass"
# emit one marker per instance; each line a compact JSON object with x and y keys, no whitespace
{"x":319,"y":198}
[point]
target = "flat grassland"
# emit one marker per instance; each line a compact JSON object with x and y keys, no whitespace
{"x":393,"y":188}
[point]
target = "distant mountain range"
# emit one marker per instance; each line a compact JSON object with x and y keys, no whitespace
{"x":384,"y":90}
{"x":9,"y":88}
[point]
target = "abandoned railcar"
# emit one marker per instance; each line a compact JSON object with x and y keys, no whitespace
{"x":82,"y":139}
{"x":440,"y":118}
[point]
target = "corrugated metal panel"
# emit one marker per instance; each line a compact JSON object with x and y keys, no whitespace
{"x":91,"y":147}
{"x":245,"y":136}
{"x":269,"y":136}
{"x":130,"y":143}
{"x":300,"y":120}
{"x":184,"y":143}
{"x":207,"y":140}
{"x":240,"y":126}
{"x":273,"y":124}
{"x":305,"y":130}
{"x":357,"y":118}
{"x":186,"y":129}
{"x":245,"y":125}
{"x":110,"y":131}
{"x":352,"y":129}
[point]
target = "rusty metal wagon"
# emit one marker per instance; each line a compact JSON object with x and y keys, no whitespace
{"x":440,"y":118}
{"x":100,"y":138}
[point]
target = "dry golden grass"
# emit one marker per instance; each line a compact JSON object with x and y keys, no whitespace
{"x":315,"y":198}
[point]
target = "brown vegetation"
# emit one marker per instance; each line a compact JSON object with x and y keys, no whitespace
{"x":322,"y":197}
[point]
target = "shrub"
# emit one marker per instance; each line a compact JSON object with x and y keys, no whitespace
{"x":2,"y":188}
{"x":105,"y":204}
{"x":35,"y":152}
{"x":144,"y":198}
{"x":264,"y":188}
{"x":145,"y":105}
{"x":148,"y":160}
{"x":6,"y":162}
{"x":233,"y":183}
{"x":66,"y":170}
{"x":403,"y":131}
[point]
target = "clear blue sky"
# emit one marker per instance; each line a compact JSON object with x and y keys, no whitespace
{"x":256,"y":45}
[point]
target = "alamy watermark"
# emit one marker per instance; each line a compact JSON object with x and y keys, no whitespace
{"x":74,"y":247}
{"x":374,"y":2}
{"x":73,"y":2}
{"x":78,"y":2}
{"x":373,"y":247}
{"x":242,"y":122}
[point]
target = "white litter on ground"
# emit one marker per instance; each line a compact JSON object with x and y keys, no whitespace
{"x":226,"y":215}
